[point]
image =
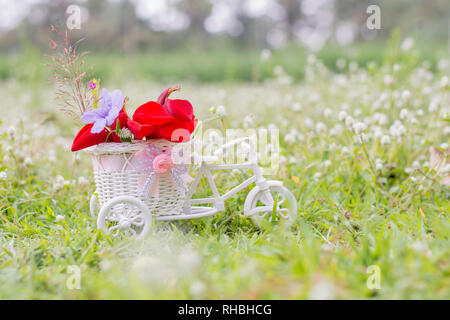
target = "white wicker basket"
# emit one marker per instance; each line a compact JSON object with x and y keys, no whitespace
{"x":116,"y":175}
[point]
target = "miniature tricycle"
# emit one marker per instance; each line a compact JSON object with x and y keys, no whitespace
{"x":123,"y":209}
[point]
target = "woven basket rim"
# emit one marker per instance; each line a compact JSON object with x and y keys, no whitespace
{"x":125,"y":147}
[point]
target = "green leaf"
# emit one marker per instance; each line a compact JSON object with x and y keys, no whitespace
{"x":117,"y":126}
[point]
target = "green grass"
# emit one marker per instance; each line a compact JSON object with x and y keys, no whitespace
{"x":354,"y":211}
{"x":221,"y":64}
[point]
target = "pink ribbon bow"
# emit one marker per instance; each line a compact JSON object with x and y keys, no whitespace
{"x":153,"y":163}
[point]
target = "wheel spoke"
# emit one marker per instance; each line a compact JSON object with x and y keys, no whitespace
{"x":115,"y":227}
{"x":281,"y":198}
{"x":137,"y":221}
{"x":263,"y":204}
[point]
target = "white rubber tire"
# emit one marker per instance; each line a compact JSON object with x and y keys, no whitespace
{"x":125,"y":220}
{"x":257,"y":195}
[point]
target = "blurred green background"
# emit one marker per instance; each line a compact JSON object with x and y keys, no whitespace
{"x":218,"y":40}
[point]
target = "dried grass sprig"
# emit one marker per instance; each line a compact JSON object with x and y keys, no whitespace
{"x":69,"y":73}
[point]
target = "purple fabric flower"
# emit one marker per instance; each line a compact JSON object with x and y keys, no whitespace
{"x":111,"y":104}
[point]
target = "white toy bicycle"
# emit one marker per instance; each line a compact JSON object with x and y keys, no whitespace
{"x":123,"y":209}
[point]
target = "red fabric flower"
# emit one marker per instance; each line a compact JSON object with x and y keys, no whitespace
{"x":123,"y":119}
{"x":168,"y":119}
{"x":139,"y":131}
{"x":181,"y":109}
{"x":172,"y":120}
{"x":176,"y":131}
{"x":152,"y":113}
{"x":85,"y":138}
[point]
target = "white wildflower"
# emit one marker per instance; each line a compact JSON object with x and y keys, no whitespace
{"x":125,"y":134}
{"x":407,"y":44}
{"x":385,"y":139}
{"x":308,"y":122}
{"x":59,"y":218}
{"x":382,"y":180}
{"x":11,"y":131}
{"x":378,"y":164}
{"x":265,"y":55}
{"x":377,"y":132}
{"x":394,"y":189}
{"x":249,"y":121}
{"x":82,"y":181}
{"x":359,"y":127}
{"x":292,"y":136}
{"x":444,"y":81}
{"x":349,"y":122}
{"x":278,"y":70}
{"x":60,"y":182}
{"x":327,"y":112}
{"x":336,"y":129}
{"x":446,"y":169}
{"x":342,"y":115}
{"x":434,"y":104}
{"x":414,"y":120}
{"x":416,"y":164}
{"x":3,"y":175}
{"x":426,"y":90}
{"x":404,"y":114}
{"x":296,"y":107}
{"x":406,"y":95}
{"x":321,"y":127}
{"x":380,"y":118}
{"x":388,"y":80}
{"x":288,"y":98}
{"x":363,"y":137}
{"x":447,"y":130}
{"x":27,"y":161}
{"x":221,"y":111}
{"x":293,"y":159}
{"x":397,"y":129}
{"x":444,"y":146}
